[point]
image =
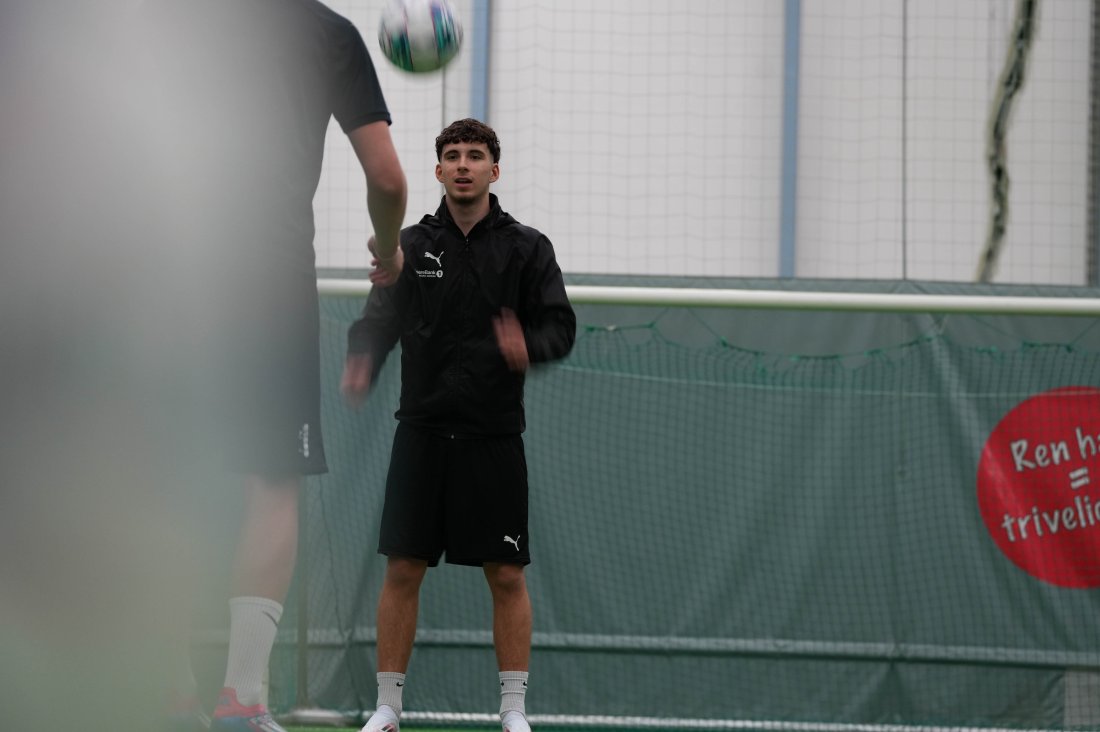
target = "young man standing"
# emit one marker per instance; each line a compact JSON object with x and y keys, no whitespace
{"x":246,"y":93}
{"x":480,"y":299}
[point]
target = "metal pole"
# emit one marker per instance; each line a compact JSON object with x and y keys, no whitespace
{"x":792,"y":39}
{"x":301,"y":697}
{"x":479,"y":73}
{"x":304,"y":713}
{"x":1092,"y":245}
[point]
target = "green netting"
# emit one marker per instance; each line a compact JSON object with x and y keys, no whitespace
{"x":740,"y":516}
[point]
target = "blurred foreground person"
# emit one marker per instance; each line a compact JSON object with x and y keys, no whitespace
{"x":246,"y":92}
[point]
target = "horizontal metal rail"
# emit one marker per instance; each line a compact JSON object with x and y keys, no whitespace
{"x":789,"y":300}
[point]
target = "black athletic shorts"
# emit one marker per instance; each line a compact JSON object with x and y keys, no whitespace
{"x":270,"y":386}
{"x":466,"y":498}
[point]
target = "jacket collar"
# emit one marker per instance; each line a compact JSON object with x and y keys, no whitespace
{"x":494,"y":218}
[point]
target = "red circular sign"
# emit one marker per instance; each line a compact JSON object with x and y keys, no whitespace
{"x":1039,"y":486}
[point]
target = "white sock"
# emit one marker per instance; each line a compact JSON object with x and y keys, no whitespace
{"x":513,"y":691}
{"x":390,"y":687}
{"x":253,"y":622}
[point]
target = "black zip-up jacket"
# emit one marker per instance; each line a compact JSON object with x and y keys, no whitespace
{"x":454,"y":380}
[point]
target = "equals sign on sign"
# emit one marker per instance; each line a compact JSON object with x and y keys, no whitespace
{"x":1079,"y":478}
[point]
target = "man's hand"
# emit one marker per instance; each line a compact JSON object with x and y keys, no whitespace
{"x":386,"y":271}
{"x":510,"y":340}
{"x":355,"y":383}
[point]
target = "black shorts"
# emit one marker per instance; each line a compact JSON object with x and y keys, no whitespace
{"x":270,"y":389}
{"x":466,"y":498}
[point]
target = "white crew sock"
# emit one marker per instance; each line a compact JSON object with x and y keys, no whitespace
{"x":513,"y":692}
{"x":390,"y":687}
{"x":253,"y":622}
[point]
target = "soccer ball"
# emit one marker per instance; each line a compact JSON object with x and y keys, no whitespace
{"x":419,"y":35}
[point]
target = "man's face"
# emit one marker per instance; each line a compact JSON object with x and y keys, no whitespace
{"x":466,"y":169}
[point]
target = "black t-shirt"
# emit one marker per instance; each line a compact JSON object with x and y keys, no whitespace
{"x":244,"y":91}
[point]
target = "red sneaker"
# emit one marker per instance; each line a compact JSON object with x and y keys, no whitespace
{"x":232,"y":716}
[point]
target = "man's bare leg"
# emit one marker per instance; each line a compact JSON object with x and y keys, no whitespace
{"x":511,"y":639}
{"x":262,"y":570}
{"x":398,"y":607}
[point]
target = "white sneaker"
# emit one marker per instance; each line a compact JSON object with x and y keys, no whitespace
{"x":384,"y":719}
{"x":514,"y":722}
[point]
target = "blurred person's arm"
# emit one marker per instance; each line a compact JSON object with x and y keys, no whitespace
{"x":387,"y":193}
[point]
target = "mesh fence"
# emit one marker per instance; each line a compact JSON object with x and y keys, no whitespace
{"x":756,"y":517}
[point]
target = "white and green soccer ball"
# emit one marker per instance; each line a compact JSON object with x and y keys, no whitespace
{"x":420,"y":35}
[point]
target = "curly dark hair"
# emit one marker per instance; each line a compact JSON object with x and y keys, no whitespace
{"x":468,"y":130}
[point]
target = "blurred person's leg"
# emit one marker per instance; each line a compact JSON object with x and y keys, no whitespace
{"x":263,"y":567}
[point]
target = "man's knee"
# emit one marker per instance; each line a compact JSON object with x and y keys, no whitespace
{"x":505,"y":579}
{"x":405,"y":574}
